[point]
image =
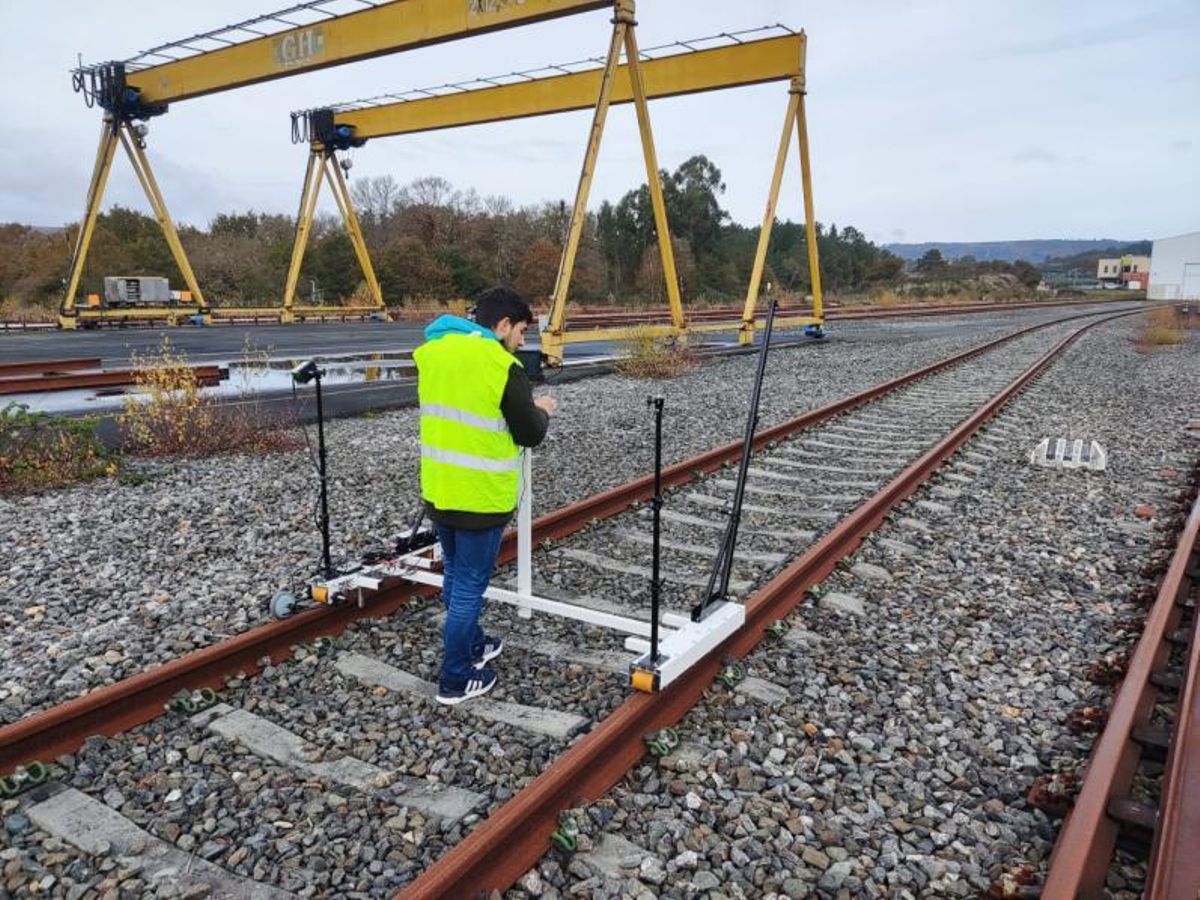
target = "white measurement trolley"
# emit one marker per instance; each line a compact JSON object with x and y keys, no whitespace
{"x":682,"y":642}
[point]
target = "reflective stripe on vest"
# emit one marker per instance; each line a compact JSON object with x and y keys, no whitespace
{"x":463,"y":417}
{"x":469,"y":462}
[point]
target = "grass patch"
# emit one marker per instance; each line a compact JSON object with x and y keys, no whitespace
{"x":14,"y":310}
{"x":647,"y":355}
{"x":40,"y":451}
{"x":1162,"y":327}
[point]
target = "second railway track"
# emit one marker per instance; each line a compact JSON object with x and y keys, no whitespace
{"x":387,"y":761}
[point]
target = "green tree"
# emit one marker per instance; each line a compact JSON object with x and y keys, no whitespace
{"x":331,"y":262}
{"x":465,"y":274}
{"x":408,"y":271}
{"x":931,"y":263}
{"x":1027,"y":273}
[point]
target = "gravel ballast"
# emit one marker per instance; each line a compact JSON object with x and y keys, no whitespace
{"x":916,"y":726}
{"x":103,"y":579}
{"x":712,"y":820}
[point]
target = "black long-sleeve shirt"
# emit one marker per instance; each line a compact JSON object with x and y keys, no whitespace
{"x":527,"y":424}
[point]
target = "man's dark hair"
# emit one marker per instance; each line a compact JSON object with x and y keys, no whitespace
{"x":499,"y":303}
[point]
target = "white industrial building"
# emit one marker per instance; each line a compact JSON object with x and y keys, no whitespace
{"x":1175,"y":268}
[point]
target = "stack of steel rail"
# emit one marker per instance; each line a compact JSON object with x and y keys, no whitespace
{"x":73,"y":374}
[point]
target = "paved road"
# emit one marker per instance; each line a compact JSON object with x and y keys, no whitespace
{"x":219,"y":344}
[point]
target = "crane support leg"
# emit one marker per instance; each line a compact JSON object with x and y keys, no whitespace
{"x":104,"y":159}
{"x":308,"y":202}
{"x":110,"y":136}
{"x":666,"y":251}
{"x":746,"y":332}
{"x":141,"y":167}
{"x":341,"y":193}
{"x":622,"y":37}
{"x":810,"y":225}
{"x":552,"y":337}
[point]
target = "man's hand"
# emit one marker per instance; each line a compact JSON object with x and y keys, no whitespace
{"x":546,"y":405}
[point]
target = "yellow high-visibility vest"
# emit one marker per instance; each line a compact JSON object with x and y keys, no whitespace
{"x":469,"y":461}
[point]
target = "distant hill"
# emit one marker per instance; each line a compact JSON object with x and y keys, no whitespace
{"x":1085,"y":263}
{"x":1008,"y":251}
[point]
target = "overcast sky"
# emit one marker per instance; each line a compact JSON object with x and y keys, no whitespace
{"x":939,"y":120}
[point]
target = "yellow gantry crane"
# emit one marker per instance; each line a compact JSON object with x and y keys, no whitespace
{"x":686,"y":67}
{"x":288,"y":42}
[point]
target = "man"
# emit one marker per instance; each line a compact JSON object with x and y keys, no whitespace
{"x":477,"y":411}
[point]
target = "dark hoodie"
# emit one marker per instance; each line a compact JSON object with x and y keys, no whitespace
{"x":526,"y":422}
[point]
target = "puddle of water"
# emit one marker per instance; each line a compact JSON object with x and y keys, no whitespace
{"x":277,"y":374}
{"x":244,"y":379}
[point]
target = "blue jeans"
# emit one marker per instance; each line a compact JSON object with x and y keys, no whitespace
{"x":470,"y":556}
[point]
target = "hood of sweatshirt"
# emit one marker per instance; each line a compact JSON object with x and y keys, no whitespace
{"x":448,"y":324}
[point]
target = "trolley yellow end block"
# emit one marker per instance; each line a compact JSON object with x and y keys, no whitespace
{"x":644,"y":680}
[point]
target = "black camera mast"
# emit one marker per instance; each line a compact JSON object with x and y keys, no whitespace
{"x":303,"y":374}
{"x":717,"y":589}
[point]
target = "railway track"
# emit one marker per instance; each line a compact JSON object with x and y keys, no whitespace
{"x":834,"y":312}
{"x":1142,"y":783}
{"x":866,"y":453}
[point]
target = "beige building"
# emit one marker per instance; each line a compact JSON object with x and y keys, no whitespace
{"x":1133,"y":271}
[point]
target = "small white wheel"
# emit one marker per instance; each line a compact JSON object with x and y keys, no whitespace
{"x":283,"y":605}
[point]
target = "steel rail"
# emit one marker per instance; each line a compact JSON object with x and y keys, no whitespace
{"x":1082,"y":854}
{"x":136,"y":700}
{"x":511,"y":840}
{"x":1174,"y":870}
{"x":569,"y":519}
{"x":47,"y":366}
{"x":833,"y":312}
{"x":206,"y":376}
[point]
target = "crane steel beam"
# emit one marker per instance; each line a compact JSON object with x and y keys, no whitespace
{"x":129,"y":91}
{"x":737,"y":65}
{"x":378,"y":30}
{"x":741,"y":63}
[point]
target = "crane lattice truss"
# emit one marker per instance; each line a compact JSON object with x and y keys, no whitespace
{"x":308,"y":36}
{"x":686,"y":67}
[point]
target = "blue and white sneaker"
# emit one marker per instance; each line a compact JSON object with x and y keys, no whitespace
{"x":491,"y":648}
{"x":478,"y":684}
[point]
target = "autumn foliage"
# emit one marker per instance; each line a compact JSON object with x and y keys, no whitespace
{"x":431,"y":242}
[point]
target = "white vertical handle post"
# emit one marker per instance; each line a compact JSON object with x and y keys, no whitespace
{"x":525,"y":535}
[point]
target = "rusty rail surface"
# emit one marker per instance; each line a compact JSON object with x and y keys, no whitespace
{"x":505,"y":845}
{"x":47,"y":366}
{"x":206,"y":376}
{"x":1084,"y":849}
{"x":1174,"y":871}
{"x":138,"y":699}
{"x":733,"y":315}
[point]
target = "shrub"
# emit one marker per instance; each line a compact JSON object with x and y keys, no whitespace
{"x":171,"y":417}
{"x":38,"y":450}
{"x":647,"y":355}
